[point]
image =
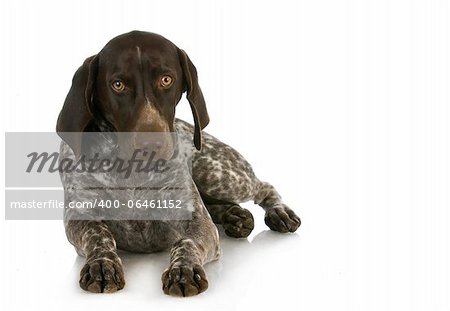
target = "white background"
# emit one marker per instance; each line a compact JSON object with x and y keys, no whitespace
{"x":342,"y":105}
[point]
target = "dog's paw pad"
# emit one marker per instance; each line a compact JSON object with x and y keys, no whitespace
{"x":102,"y":276}
{"x":238,"y":222}
{"x":282,"y":219}
{"x":184,"y":280}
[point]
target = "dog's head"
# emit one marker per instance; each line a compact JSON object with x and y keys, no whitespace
{"x":133,"y":85}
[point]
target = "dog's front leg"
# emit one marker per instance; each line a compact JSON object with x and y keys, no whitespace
{"x":103,"y":272}
{"x":185,"y":275}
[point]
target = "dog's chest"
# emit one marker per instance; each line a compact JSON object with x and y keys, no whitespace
{"x":144,"y":236}
{"x":133,"y":230}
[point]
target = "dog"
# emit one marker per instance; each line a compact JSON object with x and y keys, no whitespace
{"x":133,"y":86}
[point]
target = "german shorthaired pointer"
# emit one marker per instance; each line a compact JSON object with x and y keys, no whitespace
{"x":133,"y":85}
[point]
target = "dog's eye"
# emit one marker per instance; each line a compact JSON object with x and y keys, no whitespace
{"x":166,"y":81}
{"x":118,"y":86}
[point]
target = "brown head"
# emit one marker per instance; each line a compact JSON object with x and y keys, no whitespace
{"x":133,"y":85}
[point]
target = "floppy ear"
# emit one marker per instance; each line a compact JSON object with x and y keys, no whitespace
{"x":194,"y":96}
{"x":77,"y":110}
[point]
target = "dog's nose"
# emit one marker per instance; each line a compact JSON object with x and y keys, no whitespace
{"x":148,"y":145}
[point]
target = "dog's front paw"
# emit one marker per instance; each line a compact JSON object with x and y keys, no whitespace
{"x":238,"y":222}
{"x":184,"y":280}
{"x":102,"y":276}
{"x":282,"y":219}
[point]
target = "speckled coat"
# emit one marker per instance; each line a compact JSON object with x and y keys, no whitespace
{"x":223,"y":178}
